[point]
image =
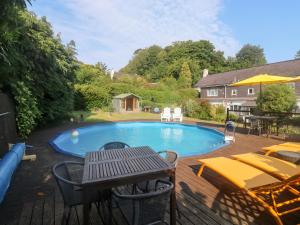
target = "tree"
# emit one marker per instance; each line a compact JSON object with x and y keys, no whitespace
{"x":297,"y":56}
{"x":8,"y":15}
{"x":37,"y":70}
{"x":143,"y":60}
{"x":277,"y":98}
{"x":71,"y":48}
{"x":185,"y":76}
{"x":88,"y":74}
{"x":156,"y":63}
{"x":250,"y":55}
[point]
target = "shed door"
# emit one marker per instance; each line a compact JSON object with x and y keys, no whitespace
{"x":129,"y":104}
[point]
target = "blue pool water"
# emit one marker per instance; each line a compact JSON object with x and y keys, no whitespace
{"x":186,"y":140}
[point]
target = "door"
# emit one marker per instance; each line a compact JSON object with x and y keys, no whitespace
{"x":129,"y":104}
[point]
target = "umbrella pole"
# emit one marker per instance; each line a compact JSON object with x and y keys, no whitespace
{"x":260,"y":95}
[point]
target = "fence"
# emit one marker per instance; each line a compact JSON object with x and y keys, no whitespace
{"x":8,"y":132}
{"x":283,"y":118}
{"x":252,"y":112}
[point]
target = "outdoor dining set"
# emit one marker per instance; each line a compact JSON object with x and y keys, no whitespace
{"x":261,"y":124}
{"x":138,"y":180}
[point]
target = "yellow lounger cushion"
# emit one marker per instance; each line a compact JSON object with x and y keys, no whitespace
{"x":278,"y":167}
{"x":282,"y":147}
{"x":291,"y":144}
{"x":241,"y":174}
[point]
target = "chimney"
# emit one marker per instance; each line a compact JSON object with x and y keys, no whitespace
{"x":205,"y":73}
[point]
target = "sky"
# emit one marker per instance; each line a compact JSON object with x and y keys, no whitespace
{"x":110,"y":31}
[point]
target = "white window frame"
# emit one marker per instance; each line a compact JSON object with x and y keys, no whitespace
{"x":234,"y":92}
{"x":253,"y":93}
{"x":212,"y":92}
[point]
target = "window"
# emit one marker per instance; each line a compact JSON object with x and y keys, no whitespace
{"x":233,"y":92}
{"x":234,"y":107}
{"x":250,"y":91}
{"x":212,"y":92}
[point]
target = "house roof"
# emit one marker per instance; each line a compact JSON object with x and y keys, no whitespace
{"x":125,"y":95}
{"x":284,"y":68}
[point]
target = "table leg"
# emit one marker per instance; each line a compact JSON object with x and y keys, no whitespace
{"x":86,"y":213}
{"x":86,"y":207}
{"x":173,"y":201}
{"x":110,"y":214}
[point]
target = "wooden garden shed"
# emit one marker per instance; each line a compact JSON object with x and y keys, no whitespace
{"x":127,"y":102}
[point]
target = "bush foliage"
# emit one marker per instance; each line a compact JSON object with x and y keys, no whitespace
{"x":156,"y":63}
{"x":27,"y":110}
{"x":277,"y":98}
{"x":35,"y":67}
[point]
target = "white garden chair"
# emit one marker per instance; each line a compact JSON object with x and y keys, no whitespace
{"x":165,"y":115}
{"x":177,"y":115}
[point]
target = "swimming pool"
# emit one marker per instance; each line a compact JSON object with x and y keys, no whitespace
{"x":186,"y":140}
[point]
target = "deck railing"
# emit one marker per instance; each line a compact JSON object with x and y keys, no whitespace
{"x":264,"y":113}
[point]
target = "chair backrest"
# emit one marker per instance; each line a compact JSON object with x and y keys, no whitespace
{"x":170,"y":156}
{"x":146,"y":208}
{"x":114,"y":145}
{"x":167,"y":110}
{"x":66,"y":185}
{"x":177,"y":111}
{"x":254,"y":122}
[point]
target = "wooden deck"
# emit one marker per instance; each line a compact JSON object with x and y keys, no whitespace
{"x":33,"y":197}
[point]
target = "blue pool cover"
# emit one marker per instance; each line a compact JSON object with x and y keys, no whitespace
{"x":8,"y":164}
{"x":185,"y":139}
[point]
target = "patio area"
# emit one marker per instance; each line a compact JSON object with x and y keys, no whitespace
{"x":34,"y":198}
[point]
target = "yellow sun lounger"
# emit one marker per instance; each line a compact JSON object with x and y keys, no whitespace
{"x":288,"y":146}
{"x":291,"y":144}
{"x":255,"y":183}
{"x":276,"y":167}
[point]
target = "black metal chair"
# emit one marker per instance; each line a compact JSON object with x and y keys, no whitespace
{"x":70,"y":187}
{"x":172,"y":158}
{"x":114,"y":145}
{"x":255,"y":124}
{"x":144,"y":208}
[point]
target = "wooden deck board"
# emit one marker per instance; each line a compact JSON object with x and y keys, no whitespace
{"x":34,"y":198}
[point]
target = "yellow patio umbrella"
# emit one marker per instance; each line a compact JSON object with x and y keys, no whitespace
{"x":296,"y":79}
{"x":263,"y":79}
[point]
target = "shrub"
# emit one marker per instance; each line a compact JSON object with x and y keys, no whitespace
{"x":27,"y":110}
{"x":218,"y":113}
{"x":277,"y":98}
{"x":93,"y":96}
{"x":233,"y":117}
{"x":190,"y":107}
{"x":220,"y":109}
{"x":205,"y":110}
{"x":198,"y":109}
{"x":219,"y":117}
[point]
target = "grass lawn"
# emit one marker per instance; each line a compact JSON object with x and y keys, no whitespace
{"x":101,"y":116}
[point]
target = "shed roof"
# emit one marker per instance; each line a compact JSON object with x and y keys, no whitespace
{"x":284,"y":68}
{"x":125,"y":95}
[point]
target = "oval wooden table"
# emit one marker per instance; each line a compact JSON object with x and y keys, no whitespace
{"x":116,"y":167}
